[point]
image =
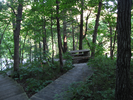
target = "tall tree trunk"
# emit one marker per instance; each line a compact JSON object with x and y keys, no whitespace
{"x":86,"y":25}
{"x":52,"y":39}
{"x":30,"y":55}
{"x":95,"y":30}
{"x":111,"y":49}
{"x":16,"y":36}
{"x":44,"y":36}
{"x":20,"y":50}
{"x":81,"y":25}
{"x":114,"y":41}
{"x":59,"y":36}
{"x":35,"y":49}
{"x":73,"y":36}
{"x":122,"y":90}
{"x":40,"y":47}
{"x":64,"y":36}
{"x":77,"y":43}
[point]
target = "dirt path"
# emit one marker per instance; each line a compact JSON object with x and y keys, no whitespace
{"x":79,"y":73}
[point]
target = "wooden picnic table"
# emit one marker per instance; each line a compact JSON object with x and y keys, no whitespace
{"x":80,"y":55}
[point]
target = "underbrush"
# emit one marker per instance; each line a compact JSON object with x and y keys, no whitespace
{"x":35,"y":75}
{"x":101,"y":85}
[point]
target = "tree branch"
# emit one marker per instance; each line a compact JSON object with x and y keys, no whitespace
{"x":12,"y":9}
{"x":86,"y":24}
{"x":4,"y":32}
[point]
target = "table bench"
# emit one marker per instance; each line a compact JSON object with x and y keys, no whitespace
{"x":79,"y":56}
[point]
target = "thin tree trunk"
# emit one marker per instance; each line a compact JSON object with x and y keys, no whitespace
{"x":81,"y":25}
{"x":123,"y":89}
{"x":59,"y":36}
{"x":40,"y":47}
{"x":64,"y":36}
{"x":30,"y":57}
{"x":111,"y":49}
{"x":44,"y":37}
{"x":20,"y":51}
{"x":35,"y":50}
{"x":73,"y":36}
{"x":95,"y":30}
{"x":86,"y":25}
{"x":52,"y":39}
{"x":77,"y":43}
{"x":114,"y":41}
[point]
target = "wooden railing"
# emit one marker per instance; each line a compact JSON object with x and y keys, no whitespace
{"x":80,"y":56}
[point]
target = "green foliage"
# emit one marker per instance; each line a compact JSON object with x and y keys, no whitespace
{"x":68,"y":61}
{"x":35,"y":75}
{"x":101,"y":86}
{"x":34,"y":85}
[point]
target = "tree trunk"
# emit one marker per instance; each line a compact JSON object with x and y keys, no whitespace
{"x":59,"y":36}
{"x":95,"y":30}
{"x":86,"y":25}
{"x":52,"y":39}
{"x":81,"y":25}
{"x":64,"y":36}
{"x":16,"y":36}
{"x":30,"y":56}
{"x":73,"y":36}
{"x":44,"y":37}
{"x":35,"y":49}
{"x":122,"y":90}
{"x":114,"y":41}
{"x":40,"y":47}
{"x":111,"y":49}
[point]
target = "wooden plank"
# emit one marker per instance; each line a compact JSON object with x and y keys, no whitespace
{"x":81,"y":57}
{"x":75,"y":51}
{"x":78,"y":54}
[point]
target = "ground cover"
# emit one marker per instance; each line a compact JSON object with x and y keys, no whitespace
{"x":35,"y":75}
{"x":101,"y":86}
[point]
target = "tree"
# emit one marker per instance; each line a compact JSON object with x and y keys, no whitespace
{"x":122,"y":90}
{"x":59,"y":36}
{"x":16,"y":31}
{"x":81,"y":25}
{"x":95,"y":29}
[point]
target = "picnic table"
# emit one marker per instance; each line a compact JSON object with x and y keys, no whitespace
{"x":79,"y":56}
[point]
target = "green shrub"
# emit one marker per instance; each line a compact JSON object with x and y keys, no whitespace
{"x":101,"y":85}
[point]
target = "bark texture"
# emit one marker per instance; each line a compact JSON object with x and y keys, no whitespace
{"x":122,"y":90}
{"x":16,"y":36}
{"x":81,"y":26}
